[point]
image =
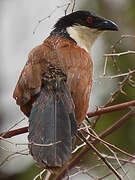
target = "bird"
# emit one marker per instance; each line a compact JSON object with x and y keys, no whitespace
{"x":54,"y":87}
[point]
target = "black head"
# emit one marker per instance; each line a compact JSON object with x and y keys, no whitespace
{"x":85,"y":18}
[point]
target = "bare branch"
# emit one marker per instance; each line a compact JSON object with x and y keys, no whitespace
{"x":111,"y":145}
{"x":120,"y":40}
{"x":105,"y":65}
{"x":92,"y":133}
{"x":118,"y":75}
{"x":9,"y":134}
{"x":129,"y":161}
{"x":113,"y":52}
{"x":87,"y":148}
{"x":109,"y":109}
{"x":119,"y":90}
{"x":13,"y":155}
{"x":80,"y":136}
{"x":119,"y":54}
{"x":74,"y":2}
{"x":30,"y":143}
{"x":67,"y":5}
{"x":124,"y":162}
{"x":40,"y":174}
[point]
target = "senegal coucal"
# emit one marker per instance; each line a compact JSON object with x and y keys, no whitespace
{"x":54,"y":87}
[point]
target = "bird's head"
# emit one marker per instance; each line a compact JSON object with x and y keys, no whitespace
{"x":83,"y":27}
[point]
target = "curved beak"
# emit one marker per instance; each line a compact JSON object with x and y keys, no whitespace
{"x":107,"y":25}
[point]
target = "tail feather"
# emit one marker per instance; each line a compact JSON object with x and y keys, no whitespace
{"x":52,"y":120}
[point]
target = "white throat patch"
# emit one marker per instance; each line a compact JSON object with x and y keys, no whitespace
{"x":84,"y":36}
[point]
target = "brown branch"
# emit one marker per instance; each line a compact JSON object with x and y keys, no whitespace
{"x":110,"y":145}
{"x":117,"y":107}
{"x":117,"y":124}
{"x":109,"y":109}
{"x":102,"y":136}
{"x":9,"y":134}
{"x":124,"y":162}
{"x":80,"y":136}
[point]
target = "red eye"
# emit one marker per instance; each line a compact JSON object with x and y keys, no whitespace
{"x":89,"y":20}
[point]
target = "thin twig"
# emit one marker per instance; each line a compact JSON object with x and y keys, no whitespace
{"x":53,"y":11}
{"x":118,"y":75}
{"x":119,"y":54}
{"x":113,"y":52}
{"x":13,"y":155}
{"x":87,"y":148}
{"x":114,"y":94}
{"x":39,"y":175}
{"x":119,"y":90}
{"x":67,"y":8}
{"x":111,"y":145}
{"x":81,"y":137}
{"x":73,"y":7}
{"x":105,"y":65}
{"x":121,"y":38}
{"x":30,"y":143}
{"x":108,"y":174}
{"x":108,"y":145}
{"x":130,"y":161}
{"x":92,"y":133}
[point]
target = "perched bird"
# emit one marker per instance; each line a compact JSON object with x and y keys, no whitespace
{"x":54,"y":87}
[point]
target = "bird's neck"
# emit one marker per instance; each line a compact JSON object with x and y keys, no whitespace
{"x":83,"y":36}
{"x":61,"y":33}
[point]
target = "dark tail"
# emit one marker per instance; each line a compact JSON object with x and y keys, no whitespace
{"x":52,"y":125}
